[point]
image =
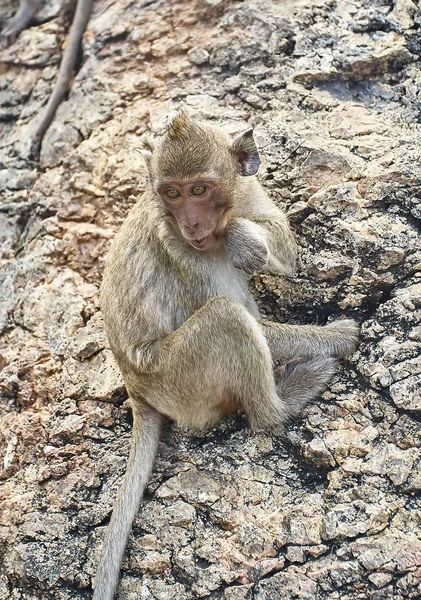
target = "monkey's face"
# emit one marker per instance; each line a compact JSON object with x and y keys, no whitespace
{"x":198,"y":207}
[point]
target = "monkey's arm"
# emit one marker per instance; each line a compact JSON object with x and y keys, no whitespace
{"x":261,"y":244}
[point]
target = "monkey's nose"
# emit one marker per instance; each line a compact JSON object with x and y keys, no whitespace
{"x":192,"y":226}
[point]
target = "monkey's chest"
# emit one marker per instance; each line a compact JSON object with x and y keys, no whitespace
{"x":223,"y":279}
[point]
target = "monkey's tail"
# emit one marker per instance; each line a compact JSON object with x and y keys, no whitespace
{"x":144,"y":444}
{"x":80,"y":21}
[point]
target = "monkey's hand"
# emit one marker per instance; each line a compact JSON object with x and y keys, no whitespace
{"x":246,"y":245}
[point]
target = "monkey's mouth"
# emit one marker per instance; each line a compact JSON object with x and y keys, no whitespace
{"x":203,"y":243}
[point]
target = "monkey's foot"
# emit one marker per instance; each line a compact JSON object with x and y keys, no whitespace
{"x":346,"y":332}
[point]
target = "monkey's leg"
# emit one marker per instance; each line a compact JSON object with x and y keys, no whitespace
{"x":288,"y":342}
{"x":21,"y":20}
{"x":218,"y":354}
{"x":306,"y":355}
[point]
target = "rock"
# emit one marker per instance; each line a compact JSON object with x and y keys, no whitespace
{"x":328,"y":509}
{"x":380,"y":579}
{"x":388,"y":552}
{"x":97,"y":378}
{"x":238,"y":592}
{"x":393,"y":462}
{"x":351,"y":520}
{"x":36,"y":50}
{"x":198,"y":55}
{"x":181,"y":513}
{"x":57,"y":143}
{"x":232,"y":84}
{"x":13,"y":179}
{"x":318,"y":452}
{"x":299,"y":524}
{"x":286,"y":585}
{"x":369,"y":60}
{"x":151,"y":589}
{"x":410,"y":582}
{"x":197,"y":487}
{"x":406,"y":394}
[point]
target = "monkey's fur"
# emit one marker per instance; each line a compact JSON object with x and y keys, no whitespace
{"x":14,"y":26}
{"x":182,"y":324}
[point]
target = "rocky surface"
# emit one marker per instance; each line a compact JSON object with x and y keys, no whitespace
{"x":332,"y":509}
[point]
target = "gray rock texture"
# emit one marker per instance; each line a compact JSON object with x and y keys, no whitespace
{"x":331,"y":509}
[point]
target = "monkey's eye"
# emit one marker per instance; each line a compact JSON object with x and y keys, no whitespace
{"x":198,"y":190}
{"x":172,"y":193}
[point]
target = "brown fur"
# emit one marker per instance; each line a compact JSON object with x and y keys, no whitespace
{"x":187,"y":150}
{"x":183,"y":326}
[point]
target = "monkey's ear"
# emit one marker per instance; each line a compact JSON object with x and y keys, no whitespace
{"x":246,"y":152}
{"x":147,"y":155}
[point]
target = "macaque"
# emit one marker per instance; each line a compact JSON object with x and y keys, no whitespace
{"x":181,"y":321}
{"x":14,"y":26}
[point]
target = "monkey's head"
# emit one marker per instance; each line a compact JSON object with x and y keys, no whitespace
{"x":195,"y":168}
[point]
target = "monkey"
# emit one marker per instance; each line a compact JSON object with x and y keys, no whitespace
{"x":14,"y":26}
{"x":184,"y":328}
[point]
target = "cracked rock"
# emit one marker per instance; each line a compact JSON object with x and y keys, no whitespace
{"x":330,"y":508}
